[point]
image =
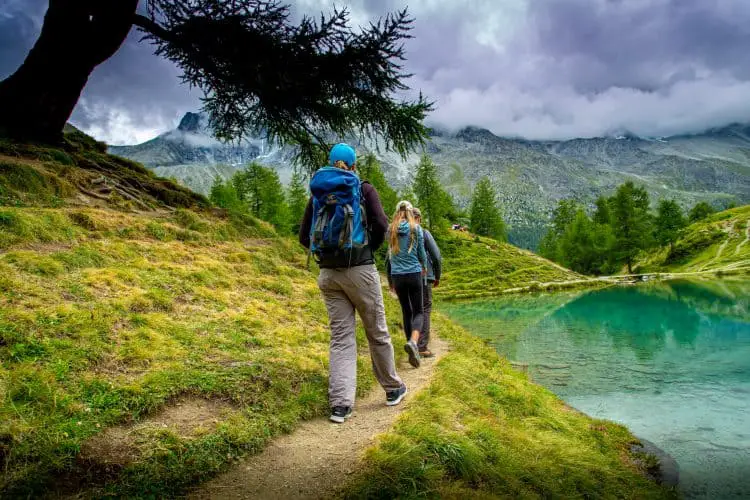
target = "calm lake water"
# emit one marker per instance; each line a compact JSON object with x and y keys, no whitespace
{"x":669,"y":361}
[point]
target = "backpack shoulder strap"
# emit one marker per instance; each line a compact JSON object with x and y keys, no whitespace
{"x":363,"y":201}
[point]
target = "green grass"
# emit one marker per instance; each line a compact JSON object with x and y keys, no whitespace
{"x":719,"y":243}
{"x":107,"y":317}
{"x":482,"y":267}
{"x":111,"y":317}
{"x":482,"y":430}
{"x":39,"y":175}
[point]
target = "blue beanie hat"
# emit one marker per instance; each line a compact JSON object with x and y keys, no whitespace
{"x":343,"y":152}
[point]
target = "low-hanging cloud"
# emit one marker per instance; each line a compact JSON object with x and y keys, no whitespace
{"x":583,"y":68}
{"x":540,"y":69}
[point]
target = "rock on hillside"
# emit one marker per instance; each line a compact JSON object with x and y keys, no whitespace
{"x":530,"y":176}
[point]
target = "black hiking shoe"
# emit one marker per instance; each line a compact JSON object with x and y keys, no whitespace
{"x":339,"y":414}
{"x":413,"y":351}
{"x":392,"y":398}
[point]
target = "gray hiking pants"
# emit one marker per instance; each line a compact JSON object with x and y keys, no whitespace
{"x":344,"y":291}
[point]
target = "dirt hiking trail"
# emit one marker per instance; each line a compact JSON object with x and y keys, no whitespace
{"x":316,"y":459}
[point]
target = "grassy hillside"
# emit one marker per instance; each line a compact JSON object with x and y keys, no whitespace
{"x":720,"y":243}
{"x":481,"y":430}
{"x":482,"y":267}
{"x":110,"y":318}
{"x":81,"y":173}
{"x":144,"y":347}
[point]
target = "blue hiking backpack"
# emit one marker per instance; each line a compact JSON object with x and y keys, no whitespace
{"x":339,"y":221}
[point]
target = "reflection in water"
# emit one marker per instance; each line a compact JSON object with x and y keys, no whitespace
{"x":670,"y":361}
{"x":636,"y":319}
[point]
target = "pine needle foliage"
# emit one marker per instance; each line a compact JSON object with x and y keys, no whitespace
{"x":300,"y":84}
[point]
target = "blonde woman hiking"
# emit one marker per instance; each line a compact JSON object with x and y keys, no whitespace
{"x":344,"y":224}
{"x":407,"y":264}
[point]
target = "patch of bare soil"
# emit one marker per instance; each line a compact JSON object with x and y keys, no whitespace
{"x":186,"y":417}
{"x":315,"y":460}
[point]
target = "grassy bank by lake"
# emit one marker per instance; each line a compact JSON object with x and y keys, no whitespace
{"x":482,"y":267}
{"x":482,"y":430}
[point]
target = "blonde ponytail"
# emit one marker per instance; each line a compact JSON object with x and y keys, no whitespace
{"x":404,"y":212}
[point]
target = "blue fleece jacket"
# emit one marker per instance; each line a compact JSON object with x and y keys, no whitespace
{"x":405,"y":261}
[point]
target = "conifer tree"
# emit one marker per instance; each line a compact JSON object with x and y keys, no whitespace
{"x":261,"y":190}
{"x":298,"y":83}
{"x":549,"y":246}
{"x":297,"y":197}
{"x":668,"y":223}
{"x":603,"y":213}
{"x":577,"y":244}
{"x":224,"y":195}
{"x":631,"y":222}
{"x":700,"y":211}
{"x":485,"y":215}
{"x":370,"y":170}
{"x":432,"y":199}
{"x":563,"y":215}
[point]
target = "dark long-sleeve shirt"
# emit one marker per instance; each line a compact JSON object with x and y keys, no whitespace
{"x":434,"y":259}
{"x":377,"y":221}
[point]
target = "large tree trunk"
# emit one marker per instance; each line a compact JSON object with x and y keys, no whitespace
{"x":77,"y":35}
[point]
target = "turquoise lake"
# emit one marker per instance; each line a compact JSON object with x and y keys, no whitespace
{"x":671,"y":361}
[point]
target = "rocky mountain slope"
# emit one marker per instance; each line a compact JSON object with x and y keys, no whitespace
{"x":193,"y":156}
{"x":530,"y":176}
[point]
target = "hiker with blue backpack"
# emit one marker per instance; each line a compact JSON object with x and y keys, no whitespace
{"x":344,"y":224}
{"x":407,"y":268}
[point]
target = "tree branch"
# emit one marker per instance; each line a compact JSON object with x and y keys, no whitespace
{"x":152,"y":27}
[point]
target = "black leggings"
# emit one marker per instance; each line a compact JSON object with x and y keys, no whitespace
{"x":409,"y":290}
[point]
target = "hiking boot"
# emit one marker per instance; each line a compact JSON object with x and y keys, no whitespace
{"x":339,"y":414}
{"x":393,"y":398}
{"x":413,"y":351}
{"x":426,"y":354}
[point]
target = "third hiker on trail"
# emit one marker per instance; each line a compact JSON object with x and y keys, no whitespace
{"x":432,"y":279}
{"x":407,"y":267}
{"x":344,"y":224}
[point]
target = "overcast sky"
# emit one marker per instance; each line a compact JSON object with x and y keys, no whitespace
{"x":540,"y":69}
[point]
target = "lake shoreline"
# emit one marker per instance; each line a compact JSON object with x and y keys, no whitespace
{"x":667,"y":472}
{"x":667,"y":358}
{"x":600,"y":282}
{"x":481,"y":427}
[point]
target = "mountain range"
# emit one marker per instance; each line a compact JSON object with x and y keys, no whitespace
{"x":530,"y":176}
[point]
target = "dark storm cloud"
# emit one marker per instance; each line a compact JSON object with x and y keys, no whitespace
{"x":562,"y":68}
{"x":533,"y":68}
{"x":641,"y":44}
